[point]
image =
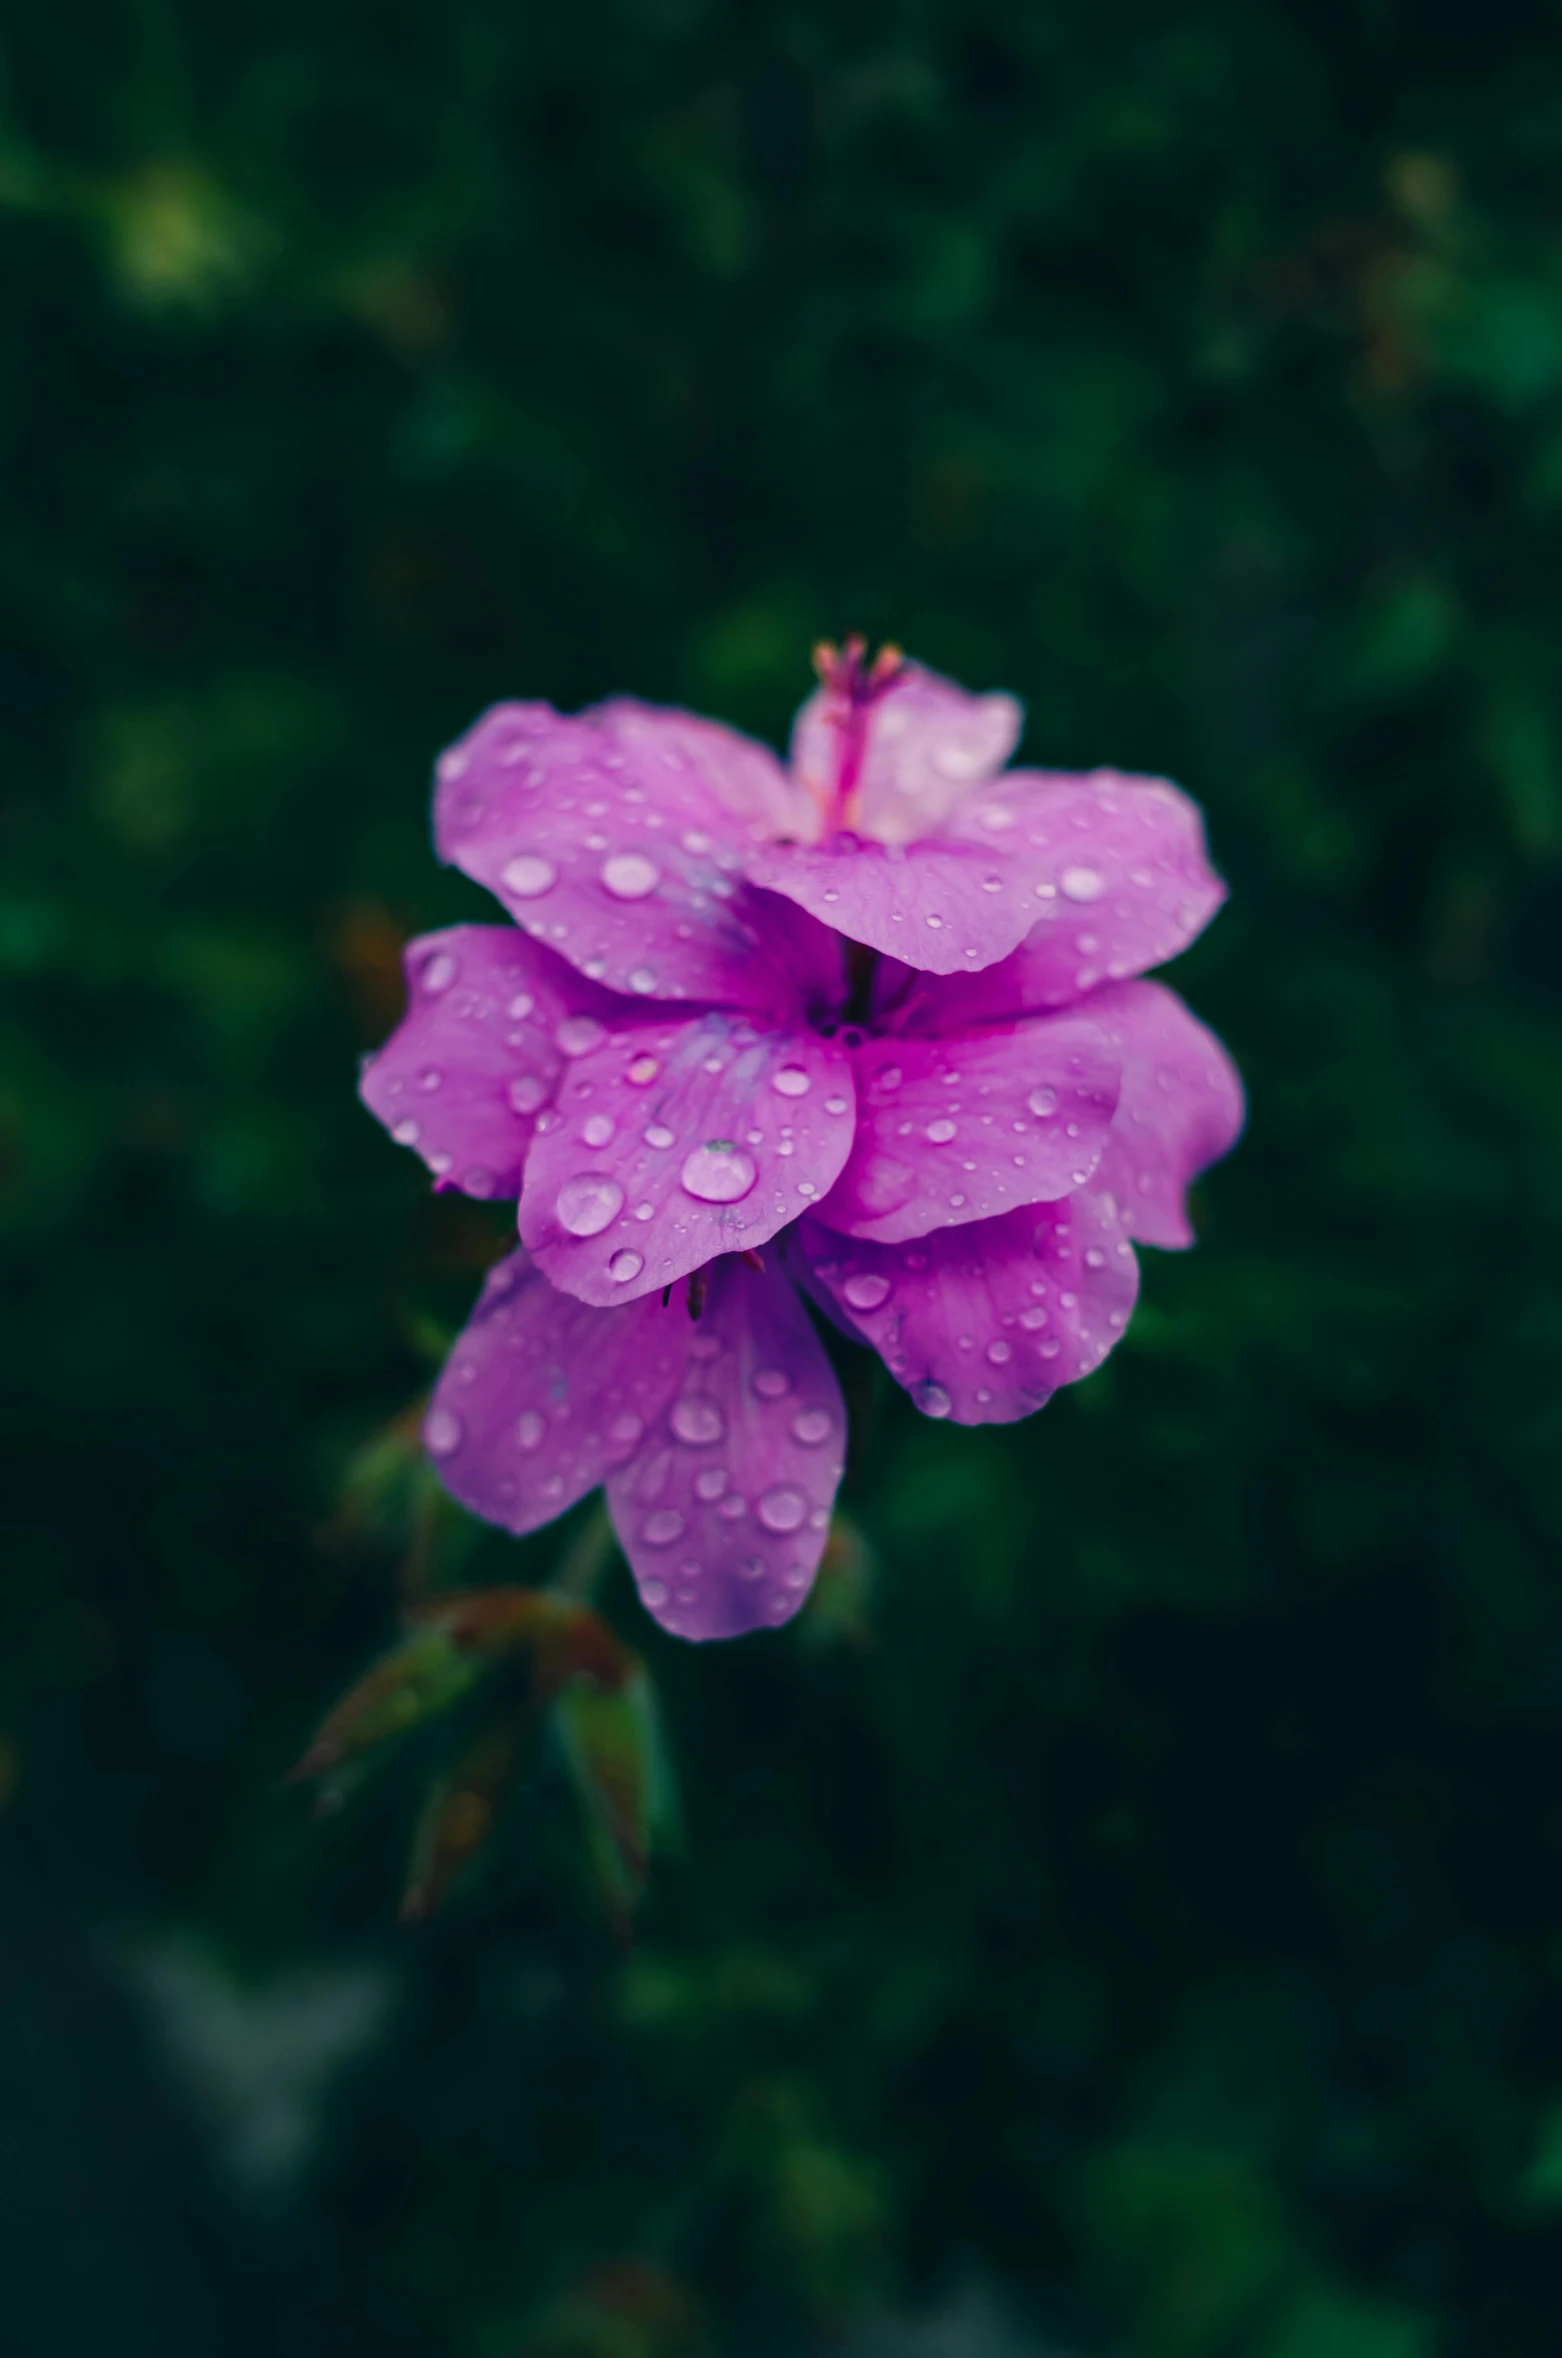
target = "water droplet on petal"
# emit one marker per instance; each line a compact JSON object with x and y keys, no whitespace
{"x":1000,"y":1352}
{"x":440,"y":972}
{"x":698,"y":1422}
{"x":526,"y":1093}
{"x":940,"y":1132}
{"x":520,"y":1006}
{"x":407,"y":1133}
{"x":932,"y":1399}
{"x":653,"y":1593}
{"x":791,"y":1081}
{"x":443,"y":1431}
{"x":772,"y":1383}
{"x":629,"y":876}
{"x":718,"y":1172}
{"x":528,"y":876}
{"x":625,"y":1264}
{"x":597,"y":1129}
{"x":662,"y":1528}
{"x":642,"y":1071}
{"x":710,"y":1482}
{"x":586,"y":1205}
{"x":867,"y":1290}
{"x":659,"y":1135}
{"x":626,"y":1429}
{"x":529,"y":1429}
{"x":752,"y":1568}
{"x":1082,"y":884}
{"x":811,"y":1426}
{"x":1043,"y":1101}
{"x":783,"y":1508}
{"x":643,"y":981}
{"x":577,"y":1035}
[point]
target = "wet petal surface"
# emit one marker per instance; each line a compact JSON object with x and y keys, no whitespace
{"x":941,"y":906}
{"x":984,"y":1324}
{"x":921,"y":746}
{"x":724,"y":1512}
{"x":1117,"y":876}
{"x":475,"y":1058}
{"x":542,"y":1398}
{"x":751,"y":784}
{"x":615,"y":852}
{"x":953,"y":1131}
{"x":1180,"y":1109}
{"x":673,"y":1141}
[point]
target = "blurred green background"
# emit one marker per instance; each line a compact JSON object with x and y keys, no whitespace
{"x":1129,"y":1925}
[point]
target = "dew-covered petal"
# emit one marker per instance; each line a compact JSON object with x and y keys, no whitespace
{"x":724,"y":1512}
{"x":677,"y":1139}
{"x":475,"y":1058}
{"x":1180,"y":1109}
{"x":894,"y":765}
{"x":616,"y":853}
{"x":952,"y":1131}
{"x":542,"y":1398}
{"x":749,"y":781}
{"x":1116,"y":875}
{"x":984,"y":1324}
{"x":942,"y":906}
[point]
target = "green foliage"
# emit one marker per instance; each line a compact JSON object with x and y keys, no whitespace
{"x":1130,"y":1917}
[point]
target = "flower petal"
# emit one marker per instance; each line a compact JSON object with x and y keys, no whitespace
{"x":746,"y":778}
{"x":1181,"y":1107}
{"x":953,"y":1131}
{"x":906,"y":756}
{"x":542,"y":1398}
{"x":476,"y":1056}
{"x":675,"y":1140}
{"x":725,"y":1511}
{"x":617,"y":853}
{"x":984,"y":1324}
{"x":943,"y":906}
{"x":1118,"y":876}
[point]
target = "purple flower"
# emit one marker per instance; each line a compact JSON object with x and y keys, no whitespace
{"x":875,"y":1013}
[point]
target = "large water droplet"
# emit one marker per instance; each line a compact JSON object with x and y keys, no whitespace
{"x":653,"y":1593}
{"x":529,"y":1429}
{"x":659,"y":1135}
{"x":999,"y":1352}
{"x":1082,"y":884}
{"x":443,"y":1431}
{"x":625,"y":1264}
{"x":629,"y":876}
{"x":1043,"y":1101}
{"x":698,"y":1422}
{"x":597,"y":1129}
{"x":526,"y":1093}
{"x":528,"y":876}
{"x":811,"y":1426}
{"x":577,"y":1035}
{"x":586,"y":1205}
{"x":407,"y":1133}
{"x":710,"y":1482}
{"x":643,"y":981}
{"x":783,"y":1508}
{"x":662,"y":1528}
{"x":790,"y":1081}
{"x":718,"y":1172}
{"x":440,"y":972}
{"x":520,"y":1006}
{"x":642,"y":1071}
{"x":940,"y":1132}
{"x":931,"y":1398}
{"x":867,"y":1290}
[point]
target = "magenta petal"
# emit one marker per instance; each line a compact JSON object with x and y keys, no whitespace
{"x":1118,"y":879}
{"x":542,"y":1398}
{"x":984,"y":1324}
{"x":475,"y":1058}
{"x":953,"y":1131}
{"x":1181,"y":1108}
{"x":920,"y":746}
{"x":725,"y":1511}
{"x":942,"y":906}
{"x":615,"y":853}
{"x":744,"y":776}
{"x":674,"y":1141}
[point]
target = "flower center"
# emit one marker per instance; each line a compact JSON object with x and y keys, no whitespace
{"x":854,"y":686}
